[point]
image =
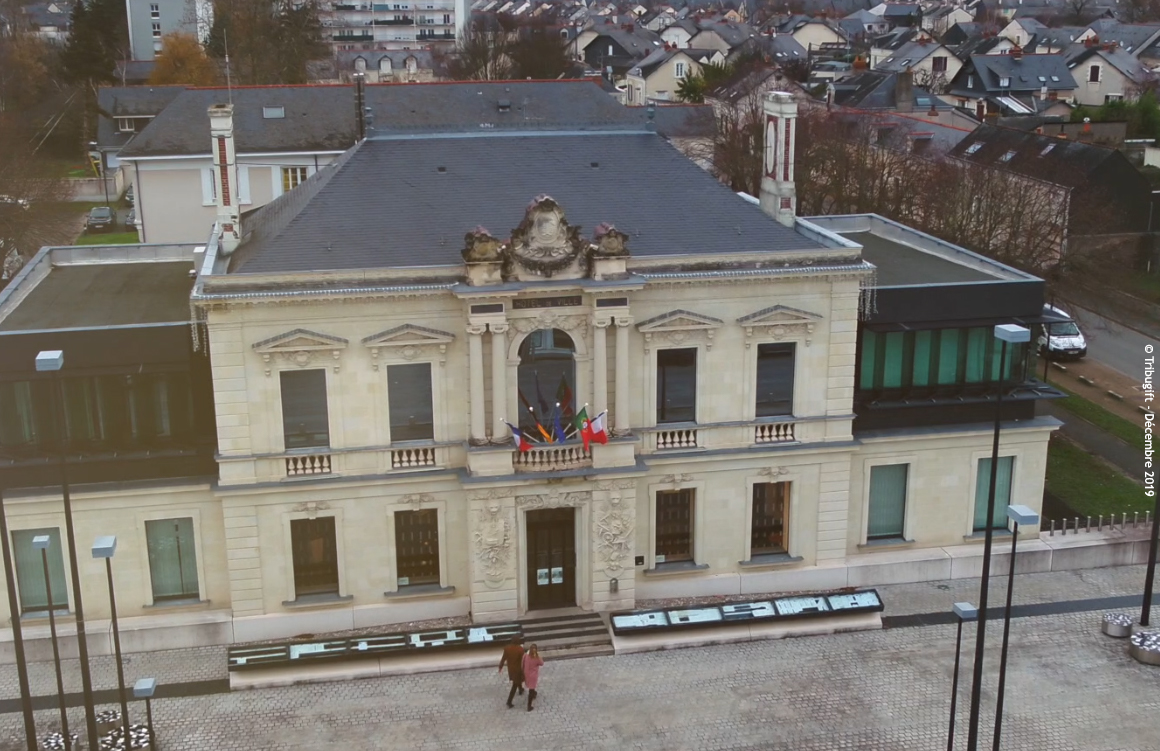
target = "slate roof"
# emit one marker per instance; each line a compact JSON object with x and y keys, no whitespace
{"x":1065,"y":162}
{"x":1024,"y":73}
{"x":901,"y":10}
{"x":341,"y":217}
{"x":41,"y":14}
{"x":638,"y":43}
{"x":684,"y":120}
{"x":128,"y":101}
{"x":1134,"y":38}
{"x":1059,"y":37}
{"x":875,"y":90}
{"x":743,"y":83}
{"x":1117,"y":57}
{"x":783,"y":48}
{"x":732,"y":34}
{"x":910,"y":54}
{"x":896,"y":38}
{"x":662,"y":56}
{"x":964,"y":32}
{"x":321,"y":118}
{"x":424,"y":59}
{"x":981,"y":45}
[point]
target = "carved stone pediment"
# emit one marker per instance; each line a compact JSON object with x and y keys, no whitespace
{"x":544,"y":246}
{"x":408,"y":342}
{"x":678,"y":327}
{"x":301,"y":347}
{"x":780,"y":321}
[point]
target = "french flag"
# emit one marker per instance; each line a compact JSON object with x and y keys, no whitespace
{"x":521,"y":442}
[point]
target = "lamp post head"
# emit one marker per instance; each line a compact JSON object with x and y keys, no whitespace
{"x":144,"y":688}
{"x":49,"y":360}
{"x":105,"y":547}
{"x":41,"y":542}
{"x":1012,"y":334}
{"x":965,"y":611}
{"x":1022,"y":515}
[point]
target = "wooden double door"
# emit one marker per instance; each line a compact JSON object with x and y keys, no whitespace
{"x":551,"y":536}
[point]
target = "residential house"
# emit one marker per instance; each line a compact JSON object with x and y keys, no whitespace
{"x":1016,"y":83}
{"x":1022,"y":30}
{"x":886,"y":92}
{"x":933,"y":64}
{"x":400,"y":66}
{"x":886,"y":45}
{"x":744,"y":363}
{"x":986,"y":44}
{"x":862,"y":24}
{"x":657,"y":77}
{"x":619,"y":47}
{"x":678,"y":33}
{"x":961,"y":33}
{"x":1054,"y":40}
{"x":124,"y":111}
{"x":49,"y":21}
{"x":1105,"y":72}
{"x":1135,"y":39}
{"x":942,"y":18}
{"x":724,"y":37}
{"x":1102,"y":186}
{"x":899,"y":14}
{"x":812,"y":33}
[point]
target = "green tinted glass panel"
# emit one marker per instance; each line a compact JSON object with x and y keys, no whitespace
{"x":921,"y":373}
{"x":1002,"y":492}
{"x":948,"y":356}
{"x":887,"y":509}
{"x":172,"y":560}
{"x":892,"y":362}
{"x":978,"y":342}
{"x":869,"y":345}
{"x":30,"y":570}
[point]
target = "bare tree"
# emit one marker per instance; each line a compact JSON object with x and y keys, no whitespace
{"x":31,"y":212}
{"x":482,"y":54}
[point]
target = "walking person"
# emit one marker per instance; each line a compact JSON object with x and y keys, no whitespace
{"x":513,"y":656}
{"x":532,"y":663}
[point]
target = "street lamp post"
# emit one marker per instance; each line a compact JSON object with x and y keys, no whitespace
{"x":41,"y":543}
{"x":105,"y":547}
{"x":1150,"y":572}
{"x":52,"y":361}
{"x":1007,"y":333}
{"x":965,"y":612}
{"x":1018,"y":514}
{"x":17,"y":632}
{"x":144,"y":688}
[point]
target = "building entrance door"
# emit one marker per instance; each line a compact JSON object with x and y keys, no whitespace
{"x":551,"y":558}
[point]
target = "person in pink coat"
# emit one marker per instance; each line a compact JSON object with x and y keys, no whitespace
{"x":532,"y":663}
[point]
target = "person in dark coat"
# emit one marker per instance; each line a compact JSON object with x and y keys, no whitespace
{"x":513,"y":656}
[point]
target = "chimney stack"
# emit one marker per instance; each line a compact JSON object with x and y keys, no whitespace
{"x":778,"y":195}
{"x":225,"y":175}
{"x":904,"y":91}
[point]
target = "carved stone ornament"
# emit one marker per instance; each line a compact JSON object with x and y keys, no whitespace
{"x":543,"y":246}
{"x":553,"y":499}
{"x":616,"y":485}
{"x":614,"y":528}
{"x":310,"y":508}
{"x":774,"y":471}
{"x":550,"y":319}
{"x":417,"y":500}
{"x":678,"y":327}
{"x":408,"y":342}
{"x":676,"y":479}
{"x":778,"y":322}
{"x":301,"y":347}
{"x":489,"y":494}
{"x":493,"y":544}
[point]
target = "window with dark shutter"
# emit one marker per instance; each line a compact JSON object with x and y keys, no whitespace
{"x":676,"y":385}
{"x":315,"y":555}
{"x":409,"y":402}
{"x":674,"y":541}
{"x":417,"y":547}
{"x":305,"y":422}
{"x":775,"y":368}
{"x":769,"y":527}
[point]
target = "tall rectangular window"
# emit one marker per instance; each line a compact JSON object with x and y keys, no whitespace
{"x":775,"y":368}
{"x":156,"y":31}
{"x":172,"y":560}
{"x":292,"y":177}
{"x":305,"y":423}
{"x":769,"y":526}
{"x":1002,"y":492}
{"x":155,"y":11}
{"x":417,"y":547}
{"x":409,"y":402}
{"x":674,"y":541}
{"x":315,"y":554}
{"x":30,"y":570}
{"x":887,"y":511}
{"x":676,"y":385}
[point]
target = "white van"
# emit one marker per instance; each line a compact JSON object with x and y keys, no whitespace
{"x":1061,"y":341}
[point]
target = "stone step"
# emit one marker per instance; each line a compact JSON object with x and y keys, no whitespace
{"x":553,"y":642}
{"x":583,"y":650}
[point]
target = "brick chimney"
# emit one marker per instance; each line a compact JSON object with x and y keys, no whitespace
{"x":225,"y":175}
{"x":778,"y":195}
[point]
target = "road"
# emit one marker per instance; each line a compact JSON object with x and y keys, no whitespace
{"x":1112,"y":344}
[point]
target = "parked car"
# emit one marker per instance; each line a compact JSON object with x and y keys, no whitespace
{"x":131,"y":219}
{"x":129,"y":197}
{"x":1061,"y":341}
{"x":101,"y":219}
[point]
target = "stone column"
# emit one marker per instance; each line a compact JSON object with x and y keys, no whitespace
{"x":498,"y":380}
{"x":620,"y":413}
{"x":599,"y":366}
{"x":475,"y":378}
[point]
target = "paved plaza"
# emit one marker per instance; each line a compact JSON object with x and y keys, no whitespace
{"x":1069,"y":688}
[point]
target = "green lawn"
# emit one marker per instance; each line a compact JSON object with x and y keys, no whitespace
{"x":108,"y":238}
{"x":1089,"y":486}
{"x":1125,"y":430}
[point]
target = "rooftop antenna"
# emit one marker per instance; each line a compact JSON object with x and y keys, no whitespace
{"x":226,"y":45}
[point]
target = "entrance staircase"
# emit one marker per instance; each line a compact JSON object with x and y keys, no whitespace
{"x":561,"y":635}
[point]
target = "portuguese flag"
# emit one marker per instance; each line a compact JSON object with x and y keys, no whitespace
{"x":591,"y":430}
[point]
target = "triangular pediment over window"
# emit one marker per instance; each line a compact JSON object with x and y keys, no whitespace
{"x":298,"y":340}
{"x":779,"y":321}
{"x":408,"y":342}
{"x":679,"y":320}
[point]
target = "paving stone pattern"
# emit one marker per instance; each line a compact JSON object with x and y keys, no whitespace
{"x":1069,"y":688}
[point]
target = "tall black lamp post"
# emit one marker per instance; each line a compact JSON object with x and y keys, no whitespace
{"x":1026,"y":516}
{"x":17,"y":632}
{"x":965,"y":611}
{"x":52,"y":361}
{"x":144,"y":688}
{"x":1150,"y":574}
{"x":41,"y":543}
{"x":105,"y":547}
{"x":1007,"y":333}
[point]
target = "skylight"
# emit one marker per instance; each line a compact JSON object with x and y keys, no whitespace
{"x":1047,"y":149}
{"x":974,"y":147}
{"x":273,"y":113}
{"x":1007,"y":156}
{"x":1042,"y":79}
{"x":1055,"y":78}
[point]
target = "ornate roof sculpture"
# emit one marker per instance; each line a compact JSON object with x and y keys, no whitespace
{"x":544,"y":246}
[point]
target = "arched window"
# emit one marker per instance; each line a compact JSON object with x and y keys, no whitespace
{"x":360,"y":64}
{"x":547,"y":385}
{"x":412,"y":64}
{"x":385,"y":65}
